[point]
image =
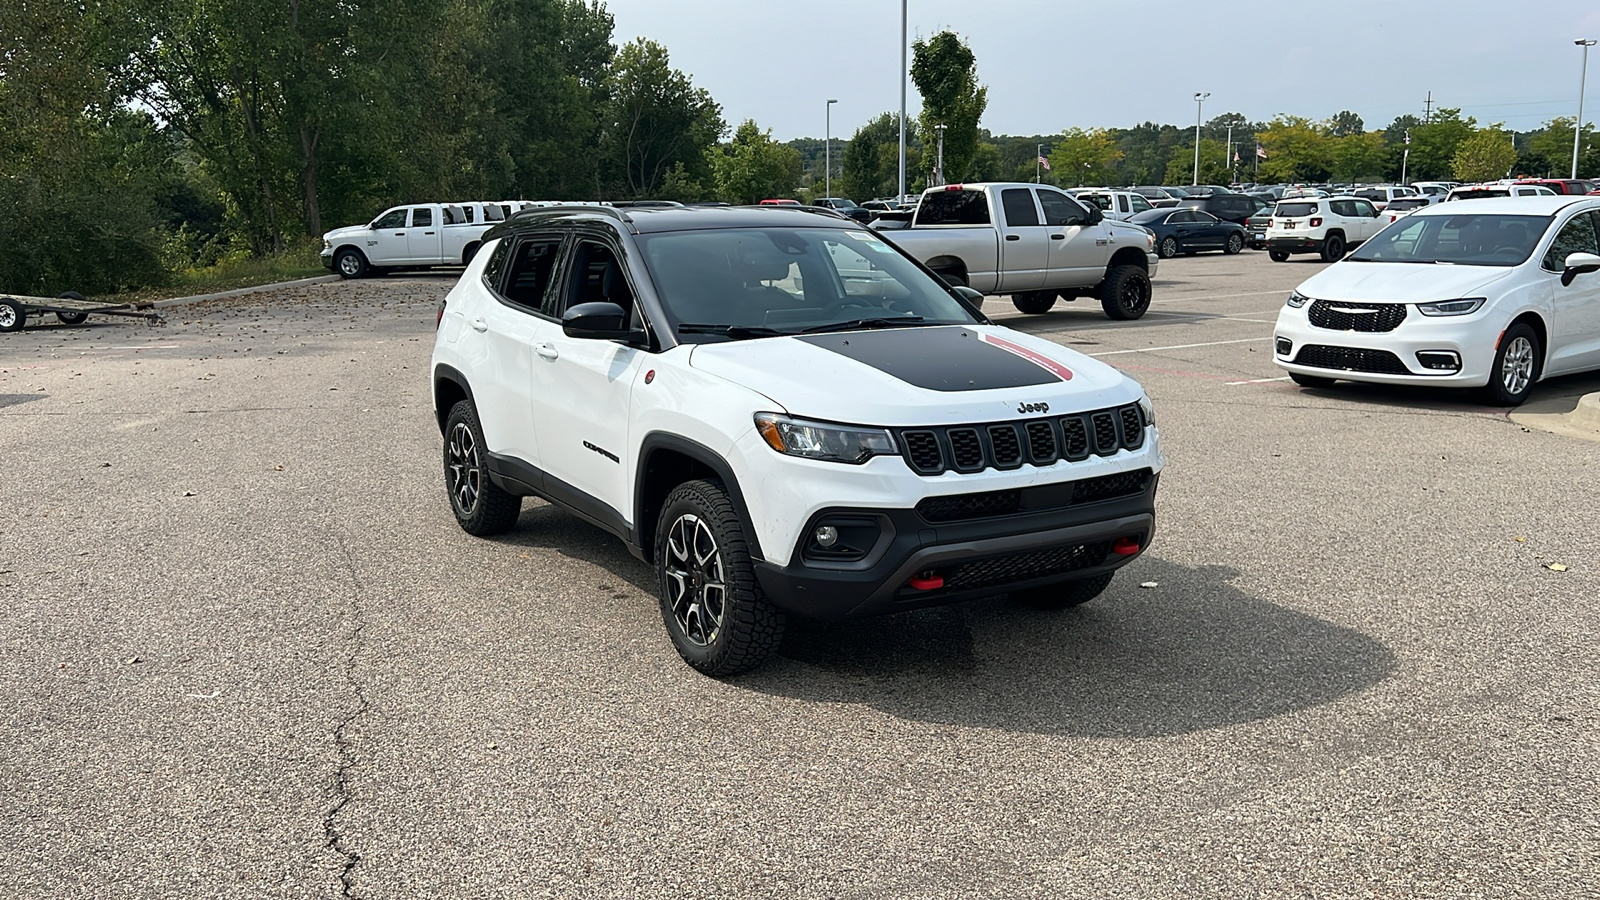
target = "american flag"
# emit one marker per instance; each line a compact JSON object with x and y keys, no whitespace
{"x":1045,"y":163}
{"x":1261,"y":151}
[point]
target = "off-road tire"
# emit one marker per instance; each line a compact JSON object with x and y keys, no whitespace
{"x":1311,"y":381}
{"x":749,"y":628}
{"x":350,"y":263}
{"x":1065,"y":595}
{"x":1278,"y":255}
{"x":481,"y":507}
{"x":1519,"y":343}
{"x":1333,"y":248}
{"x":1125,"y":294}
{"x":1034,"y":303}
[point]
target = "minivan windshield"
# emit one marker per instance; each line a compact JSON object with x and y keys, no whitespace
{"x":727,"y":284}
{"x":1461,"y":240}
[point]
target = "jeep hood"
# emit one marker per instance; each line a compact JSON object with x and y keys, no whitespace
{"x":939,"y":375}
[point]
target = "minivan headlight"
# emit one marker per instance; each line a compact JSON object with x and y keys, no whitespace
{"x":1461,"y":307}
{"x":1297,"y":299}
{"x":824,"y":440}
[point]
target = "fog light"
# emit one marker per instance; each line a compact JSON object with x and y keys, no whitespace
{"x":827,"y":536}
{"x":1284,"y":346}
{"x":1439,"y":360}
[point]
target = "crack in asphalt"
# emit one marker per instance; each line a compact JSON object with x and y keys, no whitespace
{"x":330,"y":827}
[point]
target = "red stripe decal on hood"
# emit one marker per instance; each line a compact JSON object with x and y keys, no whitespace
{"x":1038,"y":359}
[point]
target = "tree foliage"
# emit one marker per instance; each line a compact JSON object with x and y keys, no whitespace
{"x":1084,"y":158}
{"x":945,"y":72}
{"x":871,"y":164}
{"x":1484,"y":155}
{"x":753,"y":167}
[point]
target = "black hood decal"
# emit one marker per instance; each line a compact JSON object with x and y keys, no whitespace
{"x":945,"y":358}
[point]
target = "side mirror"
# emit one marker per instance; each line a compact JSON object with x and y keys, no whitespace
{"x":968,"y":294}
{"x":601,"y":321}
{"x":1095,"y":215}
{"x":1579,"y":264}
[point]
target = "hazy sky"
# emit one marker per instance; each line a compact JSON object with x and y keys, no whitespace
{"x":1055,"y":64}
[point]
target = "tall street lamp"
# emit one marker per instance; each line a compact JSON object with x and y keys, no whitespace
{"x":1577,"y":127}
{"x":939,"y":166}
{"x":1199,"y":105}
{"x":903,"y":75}
{"x":827,"y":154}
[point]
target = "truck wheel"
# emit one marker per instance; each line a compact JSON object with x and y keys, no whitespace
{"x":1034,"y":302}
{"x":1125,"y":294}
{"x":1168,"y":248}
{"x":710,"y":601}
{"x":1235,"y":244}
{"x":1278,"y":256}
{"x":1333,"y":248}
{"x":481,"y":507}
{"x":12,"y":315}
{"x":952,"y":277}
{"x":1064,"y":596}
{"x":71,"y":318}
{"x":350,"y":263}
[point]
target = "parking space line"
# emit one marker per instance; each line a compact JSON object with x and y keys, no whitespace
{"x":1217,"y":296}
{"x":1258,"y":381}
{"x":1181,"y":346}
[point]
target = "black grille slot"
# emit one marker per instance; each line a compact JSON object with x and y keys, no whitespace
{"x":1367,"y":317}
{"x":1026,"y":566}
{"x":1075,"y":437}
{"x":922,"y":451}
{"x":1105,"y":433}
{"x":960,"y":507}
{"x":1041,"y":443}
{"x":1351,"y":359}
{"x":1132,"y":427}
{"x":1111,"y":487}
{"x":1007,"y":448}
{"x":965,"y":449}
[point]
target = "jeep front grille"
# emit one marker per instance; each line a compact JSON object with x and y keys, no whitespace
{"x":1042,"y":498}
{"x":1000,"y":445}
{"x":1022,"y":567}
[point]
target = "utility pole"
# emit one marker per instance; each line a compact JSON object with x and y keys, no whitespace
{"x":1227,"y":155}
{"x":903,"y":76}
{"x":1405,"y":161}
{"x":939,"y":165}
{"x":1427,"y":109}
{"x":827,"y":154}
{"x":1577,"y":127}
{"x":1199,"y":105}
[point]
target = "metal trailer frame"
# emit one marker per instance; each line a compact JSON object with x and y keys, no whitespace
{"x":71,"y":308}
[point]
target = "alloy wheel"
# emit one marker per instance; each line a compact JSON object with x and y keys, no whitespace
{"x":1135,"y":295}
{"x":697,"y":587}
{"x":466,"y":469}
{"x":349,"y":265}
{"x":8,"y":316}
{"x":1516,"y":369}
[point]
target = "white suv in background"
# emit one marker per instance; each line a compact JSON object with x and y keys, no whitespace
{"x":1119,"y":205}
{"x":1327,"y":226}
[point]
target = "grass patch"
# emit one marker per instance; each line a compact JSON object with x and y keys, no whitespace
{"x":234,"y":270}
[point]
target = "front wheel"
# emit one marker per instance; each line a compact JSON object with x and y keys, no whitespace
{"x":1235,"y":244}
{"x":350,"y":263}
{"x":1168,"y":248}
{"x":482,"y":508}
{"x":1125,"y":294}
{"x":1064,"y":596}
{"x":1516,"y":367}
{"x":710,"y":600}
{"x":1278,"y":255}
{"x":1034,"y":302}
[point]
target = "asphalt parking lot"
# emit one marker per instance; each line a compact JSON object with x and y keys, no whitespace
{"x":248,"y":653}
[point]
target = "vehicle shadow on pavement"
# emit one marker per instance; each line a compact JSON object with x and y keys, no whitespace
{"x":1191,"y":654}
{"x":545,"y":527}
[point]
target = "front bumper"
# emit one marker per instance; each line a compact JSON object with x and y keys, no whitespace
{"x":975,"y":558}
{"x":327,"y":259}
{"x":1473,"y":338}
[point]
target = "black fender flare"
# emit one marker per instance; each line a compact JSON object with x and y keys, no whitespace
{"x":443,"y":374}
{"x":644,"y":518}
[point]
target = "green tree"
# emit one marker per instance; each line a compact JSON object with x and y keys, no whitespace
{"x":1180,"y":169}
{"x":753,"y":167}
{"x":1358,"y":156}
{"x":1434,"y":145}
{"x":945,"y":72}
{"x":1345,"y":123}
{"x":1084,"y":158}
{"x":1553,"y":144}
{"x":871,"y":164}
{"x":1147,"y":149}
{"x":1485,"y":155}
{"x":1297,"y":150}
{"x":655,"y":119}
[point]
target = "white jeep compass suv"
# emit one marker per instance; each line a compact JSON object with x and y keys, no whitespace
{"x":784,"y":413}
{"x":1327,"y":226}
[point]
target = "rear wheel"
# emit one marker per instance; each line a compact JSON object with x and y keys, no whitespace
{"x":1125,"y":294}
{"x":1168,"y":248}
{"x":710,"y":600}
{"x":72,"y":318}
{"x":1311,"y":381}
{"x":952,"y":277}
{"x":1034,"y":302}
{"x":1064,"y":596}
{"x":1333,"y":248}
{"x":481,"y":507}
{"x":1516,"y":367}
{"x":1278,"y":256}
{"x":12,"y":315}
{"x":1235,"y":244}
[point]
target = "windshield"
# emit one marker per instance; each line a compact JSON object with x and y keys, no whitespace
{"x":752,"y":282}
{"x":1463,"y":240}
{"x":1103,"y":201}
{"x":1294,"y":210}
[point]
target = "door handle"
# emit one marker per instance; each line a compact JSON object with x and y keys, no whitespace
{"x":1013,"y":237}
{"x":480,"y":325}
{"x":427,"y":232}
{"x":547,"y":351}
{"x":399,"y":234}
{"x":1058,"y":237}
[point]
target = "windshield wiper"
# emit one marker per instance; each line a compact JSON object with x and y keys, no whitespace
{"x":854,"y":324}
{"x":734,"y":331}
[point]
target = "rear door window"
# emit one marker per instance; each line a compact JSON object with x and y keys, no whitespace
{"x":532,"y":267}
{"x":421,"y":217}
{"x":1019,"y":208}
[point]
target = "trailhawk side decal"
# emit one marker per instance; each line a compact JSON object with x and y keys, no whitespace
{"x":1038,"y":359}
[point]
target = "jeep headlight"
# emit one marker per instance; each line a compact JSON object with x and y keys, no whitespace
{"x":1149,"y":410}
{"x":824,"y":440}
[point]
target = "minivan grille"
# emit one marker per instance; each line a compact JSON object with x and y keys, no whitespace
{"x":1366,"y":317}
{"x":1000,"y":445}
{"x":1351,"y":359}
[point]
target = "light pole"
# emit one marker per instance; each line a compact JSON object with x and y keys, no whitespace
{"x":903,"y":74}
{"x":1577,"y":127}
{"x":1199,"y":105}
{"x":938,"y":168}
{"x":1405,"y":161}
{"x":827,"y":154}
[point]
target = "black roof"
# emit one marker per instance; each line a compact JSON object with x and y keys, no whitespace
{"x":649,"y":220}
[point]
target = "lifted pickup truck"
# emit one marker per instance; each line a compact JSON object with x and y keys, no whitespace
{"x":421,"y":235}
{"x":1033,"y":242}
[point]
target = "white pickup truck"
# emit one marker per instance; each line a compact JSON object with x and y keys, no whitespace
{"x":1033,"y":242}
{"x":415,"y":236}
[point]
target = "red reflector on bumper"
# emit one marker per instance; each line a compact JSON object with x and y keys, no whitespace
{"x":927,"y":582}
{"x":1125,"y":546}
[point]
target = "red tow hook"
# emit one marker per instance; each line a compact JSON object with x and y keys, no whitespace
{"x":1125,"y":546}
{"x":927,"y":581}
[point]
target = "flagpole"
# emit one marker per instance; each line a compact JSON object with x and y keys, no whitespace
{"x":1038,"y":154}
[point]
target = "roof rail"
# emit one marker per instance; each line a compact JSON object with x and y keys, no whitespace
{"x":569,"y":208}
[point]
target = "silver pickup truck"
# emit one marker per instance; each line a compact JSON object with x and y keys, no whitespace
{"x":1033,"y":242}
